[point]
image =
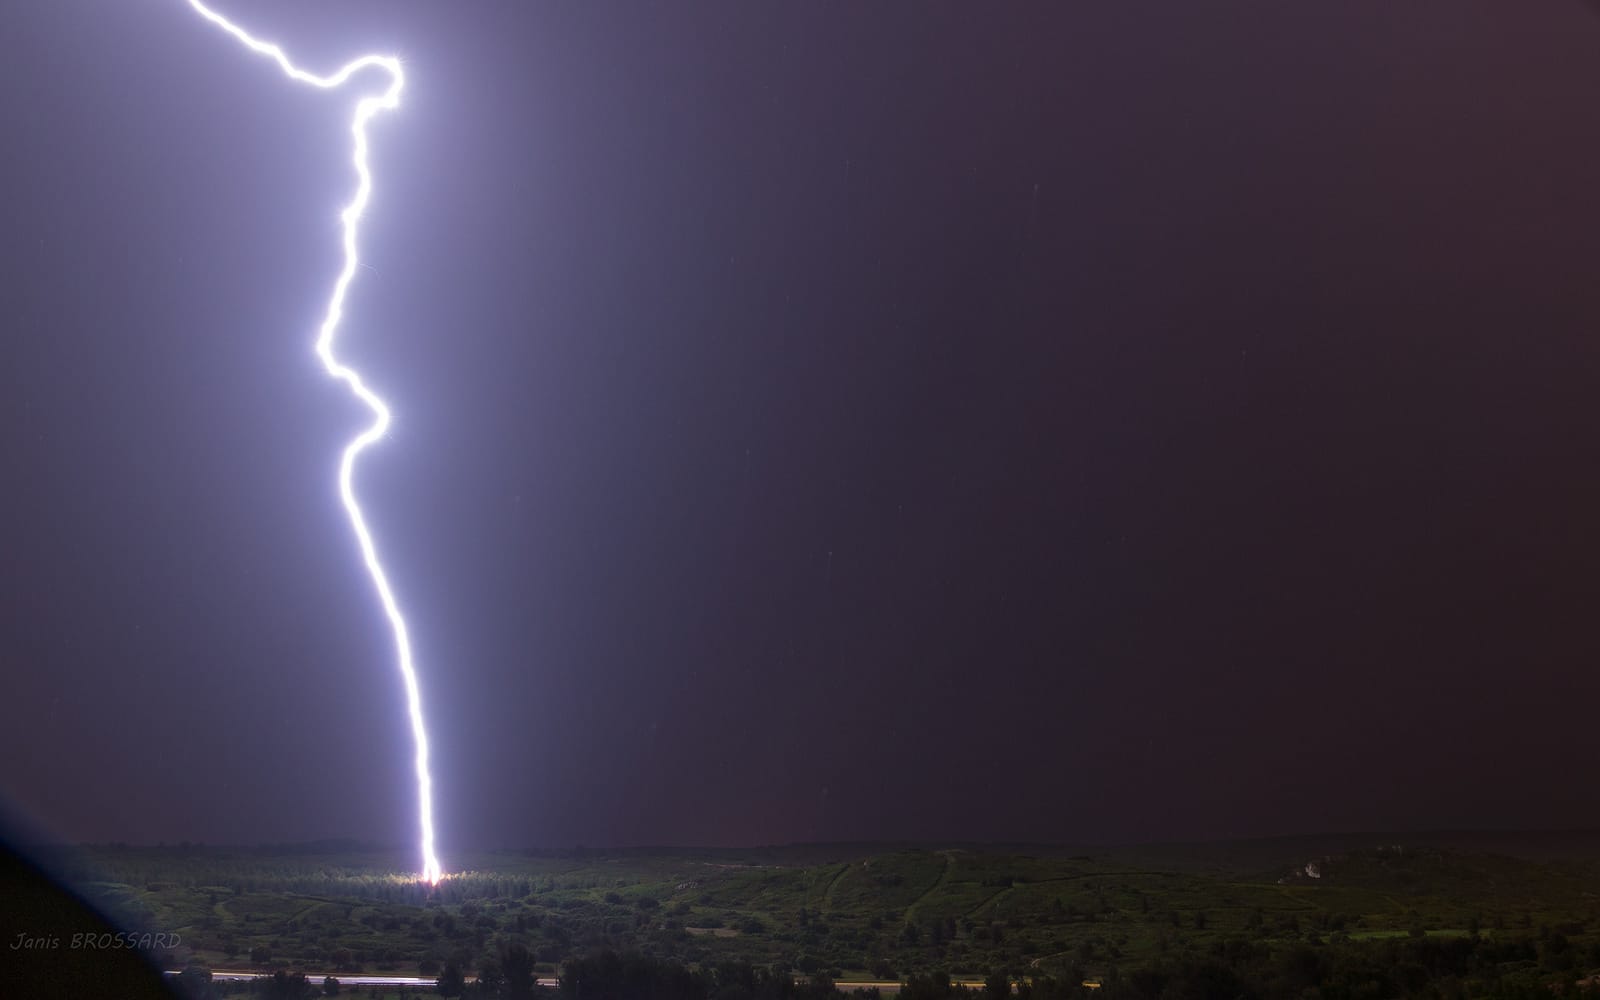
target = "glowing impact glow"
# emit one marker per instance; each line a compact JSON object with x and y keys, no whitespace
{"x":351,"y":218}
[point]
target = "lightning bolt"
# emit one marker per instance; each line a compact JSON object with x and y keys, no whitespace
{"x":351,"y":218}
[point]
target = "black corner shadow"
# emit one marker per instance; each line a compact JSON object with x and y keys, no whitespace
{"x":53,"y":944}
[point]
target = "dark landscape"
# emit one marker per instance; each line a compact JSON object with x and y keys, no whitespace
{"x":1447,"y":914}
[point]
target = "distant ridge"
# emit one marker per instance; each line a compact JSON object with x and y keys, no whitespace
{"x":1233,"y":854}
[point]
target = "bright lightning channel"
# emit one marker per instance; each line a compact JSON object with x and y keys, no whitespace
{"x":351,"y":217}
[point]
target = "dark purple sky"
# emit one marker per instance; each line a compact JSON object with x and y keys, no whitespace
{"x":1044,"y":421}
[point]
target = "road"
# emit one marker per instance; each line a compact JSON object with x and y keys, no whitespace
{"x":363,"y":979}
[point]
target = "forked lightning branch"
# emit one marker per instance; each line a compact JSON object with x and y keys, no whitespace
{"x":365,"y":109}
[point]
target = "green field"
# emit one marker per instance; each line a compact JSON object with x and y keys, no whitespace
{"x":862,"y":912}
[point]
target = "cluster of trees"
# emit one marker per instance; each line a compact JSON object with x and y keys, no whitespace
{"x":1417,"y":967}
{"x":1413,"y":967}
{"x":196,"y":984}
{"x":1145,"y":934}
{"x":608,"y":976}
{"x":511,"y":976}
{"x":1239,"y":969}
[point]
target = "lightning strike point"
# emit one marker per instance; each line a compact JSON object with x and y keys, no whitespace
{"x":350,"y":219}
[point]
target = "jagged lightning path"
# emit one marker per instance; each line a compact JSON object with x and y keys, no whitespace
{"x":351,"y":218}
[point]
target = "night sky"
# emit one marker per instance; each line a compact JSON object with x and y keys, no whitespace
{"x":1060,"y":421}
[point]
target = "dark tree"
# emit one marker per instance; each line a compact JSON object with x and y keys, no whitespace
{"x":451,"y":981}
{"x":997,"y":986}
{"x":516,"y":965}
{"x":283,"y":986}
{"x":194,"y":983}
{"x":933,"y":986}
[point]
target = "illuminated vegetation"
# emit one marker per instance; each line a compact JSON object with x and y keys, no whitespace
{"x":1476,"y":922}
